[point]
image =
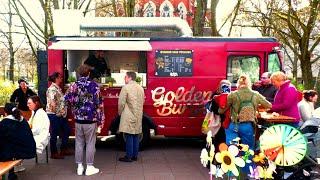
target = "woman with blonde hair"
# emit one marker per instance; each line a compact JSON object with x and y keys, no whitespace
{"x":286,"y":100}
{"x":243,"y":104}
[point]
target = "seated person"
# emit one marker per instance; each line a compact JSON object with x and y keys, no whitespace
{"x":16,"y":140}
{"x":39,"y":123}
{"x":306,"y":105}
{"x":98,"y":65}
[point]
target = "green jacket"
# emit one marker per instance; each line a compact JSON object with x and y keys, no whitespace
{"x":245,"y":94}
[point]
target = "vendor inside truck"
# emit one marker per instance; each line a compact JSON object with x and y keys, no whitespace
{"x":98,"y":63}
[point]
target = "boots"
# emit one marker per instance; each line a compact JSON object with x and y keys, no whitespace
{"x":56,"y":156}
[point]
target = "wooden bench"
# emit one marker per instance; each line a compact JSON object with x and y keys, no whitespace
{"x":6,"y":166}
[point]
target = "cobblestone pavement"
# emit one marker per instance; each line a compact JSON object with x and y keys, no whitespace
{"x":166,"y":159}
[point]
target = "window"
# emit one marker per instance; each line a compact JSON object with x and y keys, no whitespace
{"x":149,"y":9}
{"x":182,"y":10}
{"x":166,"y":9}
{"x":273,"y":62}
{"x":238,"y":65}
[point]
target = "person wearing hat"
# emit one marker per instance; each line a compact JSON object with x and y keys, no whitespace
{"x":20,"y":97}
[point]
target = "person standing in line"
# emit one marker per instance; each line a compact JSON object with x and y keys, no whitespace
{"x":130,"y":108}
{"x":20,"y":97}
{"x":286,"y":99}
{"x":57,"y":112}
{"x":265,"y":87}
{"x":39,"y":123}
{"x":83,"y":97}
{"x":306,"y":105}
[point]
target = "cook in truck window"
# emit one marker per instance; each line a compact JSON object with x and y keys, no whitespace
{"x":98,"y":64}
{"x":249,"y":65}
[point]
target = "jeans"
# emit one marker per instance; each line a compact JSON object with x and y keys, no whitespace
{"x":58,"y":127}
{"x":132,"y":145}
{"x":245,"y":132}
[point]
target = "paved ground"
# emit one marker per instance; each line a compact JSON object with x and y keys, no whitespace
{"x":166,"y":159}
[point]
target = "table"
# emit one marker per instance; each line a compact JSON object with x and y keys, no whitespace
{"x":269,"y":118}
{"x":7,"y":165}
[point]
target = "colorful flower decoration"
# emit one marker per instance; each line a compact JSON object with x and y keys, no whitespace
{"x":209,"y":139}
{"x":204,"y":157}
{"x":260,"y":158}
{"x":217,"y":172}
{"x":254,"y":173}
{"x":227,"y":158}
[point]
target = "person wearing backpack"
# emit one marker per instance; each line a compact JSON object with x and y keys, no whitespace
{"x":243,"y":104}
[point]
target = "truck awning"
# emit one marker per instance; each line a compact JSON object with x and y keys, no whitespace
{"x":102,"y":45}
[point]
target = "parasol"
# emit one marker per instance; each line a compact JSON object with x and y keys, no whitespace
{"x":283,"y":144}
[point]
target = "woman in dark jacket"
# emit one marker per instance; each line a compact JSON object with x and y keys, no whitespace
{"x":16,"y":139}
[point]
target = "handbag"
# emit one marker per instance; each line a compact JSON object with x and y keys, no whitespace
{"x":211,"y":123}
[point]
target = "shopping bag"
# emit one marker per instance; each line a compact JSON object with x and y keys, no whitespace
{"x":211,"y":123}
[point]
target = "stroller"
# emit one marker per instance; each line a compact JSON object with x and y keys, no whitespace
{"x":308,"y":168}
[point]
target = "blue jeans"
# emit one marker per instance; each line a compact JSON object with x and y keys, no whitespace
{"x":245,"y":132}
{"x":132,"y":145}
{"x":58,"y":127}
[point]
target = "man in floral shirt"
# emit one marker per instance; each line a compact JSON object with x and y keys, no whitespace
{"x":84,"y":98}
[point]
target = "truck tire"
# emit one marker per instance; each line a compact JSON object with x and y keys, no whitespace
{"x":144,"y":139}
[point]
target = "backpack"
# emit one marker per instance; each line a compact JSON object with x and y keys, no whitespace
{"x":246,"y":109}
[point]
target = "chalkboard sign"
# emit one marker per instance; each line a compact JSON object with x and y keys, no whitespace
{"x":174,"y":63}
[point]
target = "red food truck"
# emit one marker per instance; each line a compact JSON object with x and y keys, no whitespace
{"x":178,"y":74}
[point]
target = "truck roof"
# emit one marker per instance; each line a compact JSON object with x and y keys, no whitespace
{"x":202,"y":39}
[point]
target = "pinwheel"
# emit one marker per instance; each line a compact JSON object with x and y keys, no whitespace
{"x":283,"y":144}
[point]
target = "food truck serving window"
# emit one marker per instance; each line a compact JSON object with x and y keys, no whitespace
{"x":174,"y":63}
{"x":238,"y":65}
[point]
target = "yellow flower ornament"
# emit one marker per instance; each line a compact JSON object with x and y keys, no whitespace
{"x":227,"y":158}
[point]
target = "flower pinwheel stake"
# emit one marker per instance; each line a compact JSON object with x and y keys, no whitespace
{"x":264,"y":167}
{"x":227,"y":158}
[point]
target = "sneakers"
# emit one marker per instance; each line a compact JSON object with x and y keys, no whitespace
{"x":19,"y":168}
{"x":91,"y":170}
{"x":125,"y":159}
{"x":80,"y":170}
{"x":134,"y":159}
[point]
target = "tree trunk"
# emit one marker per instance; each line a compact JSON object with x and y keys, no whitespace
{"x":130,"y":8}
{"x":295,"y":67}
{"x":10,"y":42}
{"x":213,"y":22}
{"x":114,"y":7}
{"x":306,"y":70}
{"x":199,"y":17}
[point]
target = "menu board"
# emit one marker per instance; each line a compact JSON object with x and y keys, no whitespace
{"x":174,"y":63}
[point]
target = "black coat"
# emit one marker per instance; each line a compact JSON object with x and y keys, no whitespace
{"x":21,"y":98}
{"x":16,"y":140}
{"x":100,"y":67}
{"x":268,"y":91}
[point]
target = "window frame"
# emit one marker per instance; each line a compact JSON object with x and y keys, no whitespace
{"x":237,"y":55}
{"x":279,"y":60}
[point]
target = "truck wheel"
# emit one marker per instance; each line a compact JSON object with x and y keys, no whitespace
{"x":144,"y":139}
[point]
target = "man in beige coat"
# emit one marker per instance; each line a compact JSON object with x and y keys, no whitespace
{"x":130,"y":108}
